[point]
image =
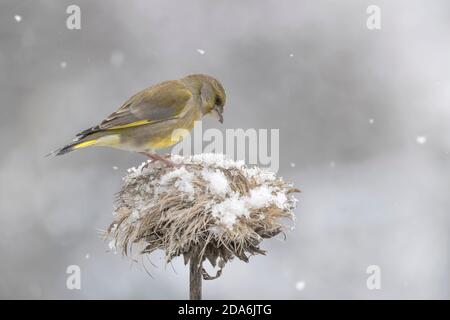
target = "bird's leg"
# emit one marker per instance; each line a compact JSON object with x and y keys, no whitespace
{"x":156,"y":157}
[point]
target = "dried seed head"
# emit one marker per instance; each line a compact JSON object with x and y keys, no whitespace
{"x":206,"y":201}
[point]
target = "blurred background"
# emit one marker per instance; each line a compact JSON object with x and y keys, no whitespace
{"x":364,"y":133}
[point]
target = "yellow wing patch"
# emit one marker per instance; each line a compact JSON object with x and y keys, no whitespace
{"x":85,"y":144}
{"x":132,"y":124}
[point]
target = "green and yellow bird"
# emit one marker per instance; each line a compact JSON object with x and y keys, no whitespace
{"x":147,"y":120}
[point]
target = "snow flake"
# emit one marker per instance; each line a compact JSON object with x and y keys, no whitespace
{"x":300,"y":285}
{"x":421,"y":139}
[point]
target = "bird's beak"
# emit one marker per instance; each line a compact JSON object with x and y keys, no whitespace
{"x":217,"y":113}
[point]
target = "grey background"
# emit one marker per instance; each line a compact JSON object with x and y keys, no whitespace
{"x":371,"y":193}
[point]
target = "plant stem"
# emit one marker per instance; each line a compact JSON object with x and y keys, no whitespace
{"x":195,"y":276}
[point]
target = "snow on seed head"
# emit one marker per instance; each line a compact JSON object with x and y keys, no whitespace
{"x":217,"y":181}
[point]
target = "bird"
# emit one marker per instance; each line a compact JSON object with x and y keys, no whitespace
{"x":146,"y":122}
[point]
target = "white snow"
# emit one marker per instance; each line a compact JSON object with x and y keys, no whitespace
{"x":292,"y":164}
{"x":112,"y":246}
{"x":261,"y":176}
{"x":300,"y":285}
{"x":232,"y":205}
{"x":183,"y":180}
{"x":421,"y":139}
{"x":230,"y":209}
{"x":280,"y":200}
{"x":218,"y":183}
{"x":63,"y":64}
{"x":260,"y":197}
{"x":115,"y":168}
{"x":209,"y":159}
{"x":235,"y":206}
{"x":371,"y":121}
{"x":17,"y":18}
{"x":291,"y":55}
{"x":134,"y":172}
{"x":263,"y":196}
{"x":201,"y":51}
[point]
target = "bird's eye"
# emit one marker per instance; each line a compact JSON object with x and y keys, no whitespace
{"x":218,"y":101}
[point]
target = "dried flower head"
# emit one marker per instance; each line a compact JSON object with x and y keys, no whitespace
{"x":205,"y":203}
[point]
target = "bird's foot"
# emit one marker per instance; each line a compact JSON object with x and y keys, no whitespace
{"x":156,"y":157}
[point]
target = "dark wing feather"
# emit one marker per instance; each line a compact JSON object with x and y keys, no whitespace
{"x":162,"y":102}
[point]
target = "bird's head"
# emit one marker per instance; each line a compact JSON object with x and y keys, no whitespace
{"x":212,"y":95}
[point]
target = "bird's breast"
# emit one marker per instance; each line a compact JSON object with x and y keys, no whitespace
{"x":172,"y":132}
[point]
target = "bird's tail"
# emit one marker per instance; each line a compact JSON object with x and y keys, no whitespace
{"x":75,"y":145}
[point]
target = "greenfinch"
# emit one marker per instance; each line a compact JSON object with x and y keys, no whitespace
{"x":146,"y":121}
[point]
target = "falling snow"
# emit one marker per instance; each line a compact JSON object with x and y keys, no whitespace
{"x":300,"y":285}
{"x":421,"y":139}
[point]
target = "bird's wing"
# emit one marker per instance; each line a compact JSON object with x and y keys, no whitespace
{"x":165,"y":101}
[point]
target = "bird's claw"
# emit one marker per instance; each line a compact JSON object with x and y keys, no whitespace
{"x":156,"y":157}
